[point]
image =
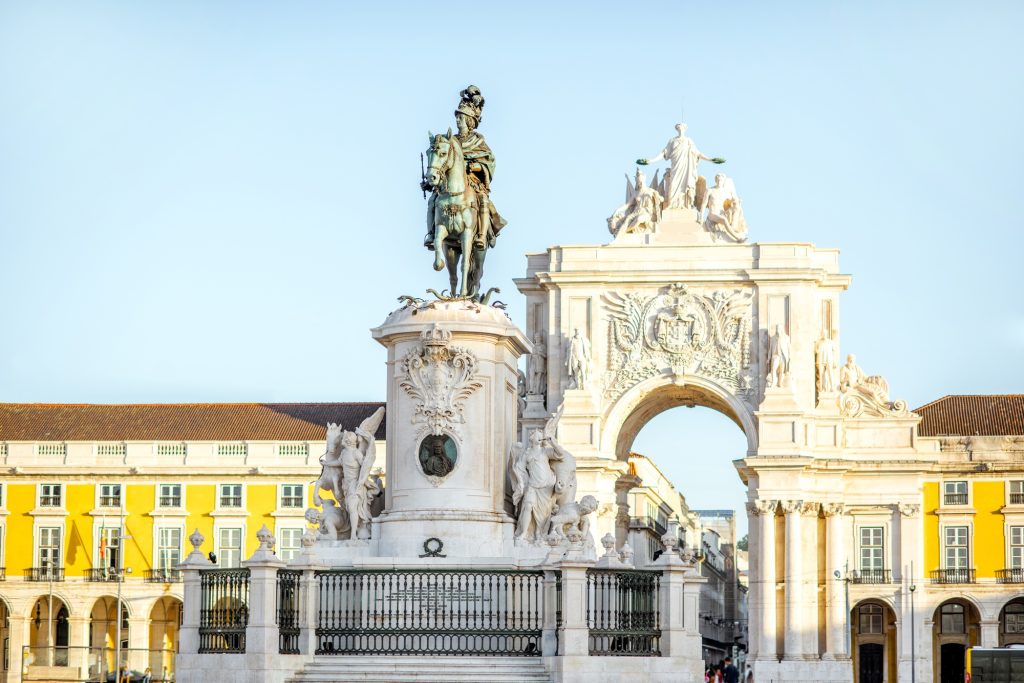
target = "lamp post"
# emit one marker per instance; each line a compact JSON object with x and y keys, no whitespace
{"x":50,"y":649}
{"x":120,"y":572}
{"x":913,"y":634}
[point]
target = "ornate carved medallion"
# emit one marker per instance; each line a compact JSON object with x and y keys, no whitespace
{"x":440,"y":377}
{"x":685,"y":331}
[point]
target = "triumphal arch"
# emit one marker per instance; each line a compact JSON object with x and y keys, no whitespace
{"x":678,"y":308}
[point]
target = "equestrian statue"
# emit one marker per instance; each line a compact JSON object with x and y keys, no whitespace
{"x":462,"y":223}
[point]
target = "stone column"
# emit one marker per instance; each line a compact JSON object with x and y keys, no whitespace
{"x":261,"y":637}
{"x":188,"y":636}
{"x":623,"y":485}
{"x":793,"y":646}
{"x":835,"y":596}
{"x":767,"y":647}
{"x":909,"y":565}
{"x":754,"y":589}
{"x":549,"y":637}
{"x":809,"y":569}
{"x":989,"y":634}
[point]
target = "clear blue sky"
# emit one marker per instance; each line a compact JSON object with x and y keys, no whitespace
{"x":214,"y":201}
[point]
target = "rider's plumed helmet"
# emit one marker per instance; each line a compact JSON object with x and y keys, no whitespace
{"x":471,"y":103}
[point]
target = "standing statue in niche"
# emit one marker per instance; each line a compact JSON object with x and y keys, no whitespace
{"x":680,"y":185}
{"x":641,"y":211}
{"x":346,"y":472}
{"x":778,"y":358}
{"x":537,"y":364}
{"x":578,"y":361}
{"x":461,"y":219}
{"x":827,"y":364}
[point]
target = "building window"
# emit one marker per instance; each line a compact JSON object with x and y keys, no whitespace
{"x":232,"y":449}
{"x":1013,"y":618}
{"x":297,"y":449}
{"x":1017,"y":547}
{"x":291,"y":496}
{"x":110,"y":495}
{"x":57,"y":449}
{"x":168,"y":551}
{"x":230,"y":496}
{"x":171,"y":449}
{"x":117,"y":449}
{"x":2,"y":499}
{"x":170,"y":495}
{"x":229,"y":552}
{"x":952,"y":618}
{"x":49,"y":547}
{"x":3,"y":454}
{"x":1017,"y":493}
{"x":50,"y":495}
{"x":289,"y":543}
{"x":870,"y":619}
{"x":956,"y":547}
{"x":954,"y":493}
{"x":872,"y":550}
{"x":109,"y":550}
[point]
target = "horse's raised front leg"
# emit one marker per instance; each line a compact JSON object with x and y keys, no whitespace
{"x":440,"y":233}
{"x":467,"y":258}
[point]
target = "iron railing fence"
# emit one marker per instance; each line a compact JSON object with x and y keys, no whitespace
{"x":430,"y":612}
{"x":288,"y":611}
{"x":953,"y":576}
{"x":623,"y":616}
{"x":44,"y":574}
{"x":103,"y":574}
{"x":95,"y":664}
{"x":166,"y":575}
{"x":1012,"y":575}
{"x":872,"y":576}
{"x":224,"y":610}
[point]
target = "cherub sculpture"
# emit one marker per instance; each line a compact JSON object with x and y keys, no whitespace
{"x":330,"y":522}
{"x":571,"y":522}
{"x":346,"y":474}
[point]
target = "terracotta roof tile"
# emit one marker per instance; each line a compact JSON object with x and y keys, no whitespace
{"x":973,"y":415}
{"x":178,"y":421}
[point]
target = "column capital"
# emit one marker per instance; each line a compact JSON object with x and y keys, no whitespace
{"x":765,"y":507}
{"x":810,"y":509}
{"x":909,"y":509}
{"x":833,"y":509}
{"x":790,"y":506}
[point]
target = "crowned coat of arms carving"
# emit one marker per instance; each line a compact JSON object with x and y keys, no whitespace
{"x":687,"y":332}
{"x":439,"y":377}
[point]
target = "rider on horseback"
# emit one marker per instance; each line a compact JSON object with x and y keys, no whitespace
{"x":479,"y":171}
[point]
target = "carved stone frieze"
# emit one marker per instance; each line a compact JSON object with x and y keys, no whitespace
{"x":439,"y":377}
{"x":697,"y":333}
{"x":810,"y":509}
{"x":766,"y":507}
{"x":909,"y":509}
{"x":791,"y":506}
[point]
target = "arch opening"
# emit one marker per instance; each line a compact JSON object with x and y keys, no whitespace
{"x":49,"y":633}
{"x":873,"y":635}
{"x":956,"y":626}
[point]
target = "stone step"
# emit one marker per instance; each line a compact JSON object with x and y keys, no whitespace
{"x":384,"y":669}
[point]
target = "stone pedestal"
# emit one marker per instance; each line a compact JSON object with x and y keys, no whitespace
{"x":452,"y":377}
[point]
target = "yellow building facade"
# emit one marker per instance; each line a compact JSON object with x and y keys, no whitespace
{"x":96,"y":506}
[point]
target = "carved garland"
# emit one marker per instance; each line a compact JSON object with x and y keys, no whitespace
{"x":439,"y":377}
{"x":680,"y":330}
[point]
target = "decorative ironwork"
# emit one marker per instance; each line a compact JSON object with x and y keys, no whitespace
{"x":103,"y":574}
{"x":44,"y":574}
{"x":953,"y":576}
{"x":163,"y":575}
{"x":954,"y":499}
{"x":224,"y":610}
{"x":430,"y":612}
{"x":1012,"y":575}
{"x":622,"y":612}
{"x":1017,"y":498}
{"x":288,"y":611}
{"x":872,"y":576}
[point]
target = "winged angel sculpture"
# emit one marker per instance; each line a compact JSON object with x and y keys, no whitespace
{"x":346,"y":473}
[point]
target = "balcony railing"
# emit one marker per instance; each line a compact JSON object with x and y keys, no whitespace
{"x":163,"y":576}
{"x":648,"y":523}
{"x":44,"y":574}
{"x":872,"y":576}
{"x":110,"y":501}
{"x":101,"y":574}
{"x":954,"y":499}
{"x":953,"y":576}
{"x":170,"y":501}
{"x":1017,"y":498}
{"x":1013,"y":575}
